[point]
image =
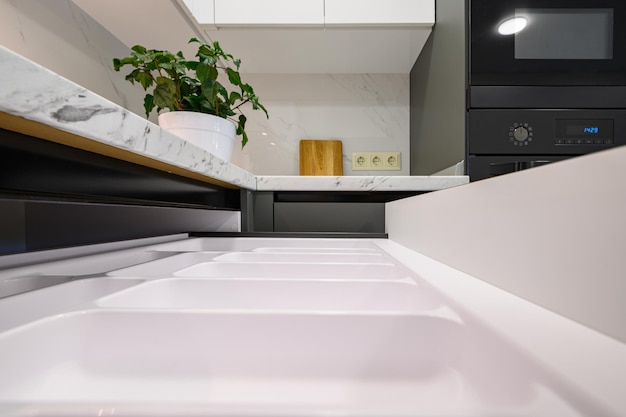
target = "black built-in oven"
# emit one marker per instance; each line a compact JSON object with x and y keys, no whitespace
{"x":546,"y":81}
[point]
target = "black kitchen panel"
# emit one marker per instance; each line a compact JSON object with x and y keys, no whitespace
{"x":40,"y":169}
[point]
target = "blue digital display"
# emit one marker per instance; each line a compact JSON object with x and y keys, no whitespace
{"x":588,"y":129}
{"x":575,"y":130}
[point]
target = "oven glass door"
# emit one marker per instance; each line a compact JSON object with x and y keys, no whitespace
{"x":547,"y":42}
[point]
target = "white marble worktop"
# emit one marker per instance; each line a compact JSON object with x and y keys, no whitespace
{"x":35,"y":93}
{"x":358,"y":183}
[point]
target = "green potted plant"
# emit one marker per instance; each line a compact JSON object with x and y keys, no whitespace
{"x":191,"y":92}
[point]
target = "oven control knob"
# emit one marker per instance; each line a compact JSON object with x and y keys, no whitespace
{"x":520,"y":134}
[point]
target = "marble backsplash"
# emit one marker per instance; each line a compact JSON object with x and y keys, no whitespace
{"x":366,"y":112}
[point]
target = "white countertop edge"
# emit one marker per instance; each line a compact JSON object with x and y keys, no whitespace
{"x":592,"y":362}
{"x":358,"y":183}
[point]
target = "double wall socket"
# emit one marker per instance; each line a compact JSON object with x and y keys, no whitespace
{"x":376,"y":161}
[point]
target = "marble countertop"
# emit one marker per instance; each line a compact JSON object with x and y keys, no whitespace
{"x":358,"y":183}
{"x":32,"y":93}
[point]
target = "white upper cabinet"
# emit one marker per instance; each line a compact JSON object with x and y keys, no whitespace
{"x":314,"y":36}
{"x":294,"y":13}
{"x":380,"y":12}
{"x":201,"y":10}
{"x":269,"y":12}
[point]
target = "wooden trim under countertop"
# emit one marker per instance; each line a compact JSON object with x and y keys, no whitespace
{"x":42,"y":131}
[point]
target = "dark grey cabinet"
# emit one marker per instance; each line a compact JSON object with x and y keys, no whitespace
{"x":317,"y":211}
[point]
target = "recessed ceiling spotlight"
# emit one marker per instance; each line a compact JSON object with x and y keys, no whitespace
{"x":512,"y":25}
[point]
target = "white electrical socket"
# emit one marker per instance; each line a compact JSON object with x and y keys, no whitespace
{"x":376,"y":161}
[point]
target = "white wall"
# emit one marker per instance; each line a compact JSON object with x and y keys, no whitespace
{"x":366,"y":112}
{"x":555,"y":235}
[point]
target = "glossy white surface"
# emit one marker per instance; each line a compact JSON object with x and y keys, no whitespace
{"x":291,"y":259}
{"x":211,"y":133}
{"x":268,"y":294}
{"x":270,"y":363}
{"x":302,"y":258}
{"x":23,"y":308}
{"x":263,"y":361}
{"x":296,"y":271}
{"x":580,"y":361}
{"x":429,"y":342}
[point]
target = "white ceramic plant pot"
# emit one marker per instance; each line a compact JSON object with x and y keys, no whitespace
{"x":211,"y":133}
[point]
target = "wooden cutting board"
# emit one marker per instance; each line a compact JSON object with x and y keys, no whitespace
{"x":321,"y":157}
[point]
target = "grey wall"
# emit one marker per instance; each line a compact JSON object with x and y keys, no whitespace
{"x":438,"y":94}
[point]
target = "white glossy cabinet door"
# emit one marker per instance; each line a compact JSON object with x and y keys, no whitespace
{"x":380,"y":12}
{"x":269,"y":12}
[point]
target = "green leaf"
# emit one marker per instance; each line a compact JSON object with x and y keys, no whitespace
{"x":262,"y":107}
{"x":233,"y":77}
{"x":148,"y":104}
{"x":234,"y":97}
{"x":256,"y":105}
{"x":208,"y":89}
{"x":241,"y":126}
{"x":207,"y":107}
{"x":246,"y":88}
{"x":205,"y":72}
{"x":165,"y":93}
{"x":139,"y":49}
{"x":197,"y":104}
{"x":205,"y":52}
{"x":241,"y":130}
{"x":189,"y":89}
{"x":219,"y":88}
{"x":132,"y":76}
{"x":145,"y":79}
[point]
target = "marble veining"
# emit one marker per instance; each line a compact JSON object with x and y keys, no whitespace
{"x":363,"y":183}
{"x":71,"y":114}
{"x":38,"y":94}
{"x":367,"y":112}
